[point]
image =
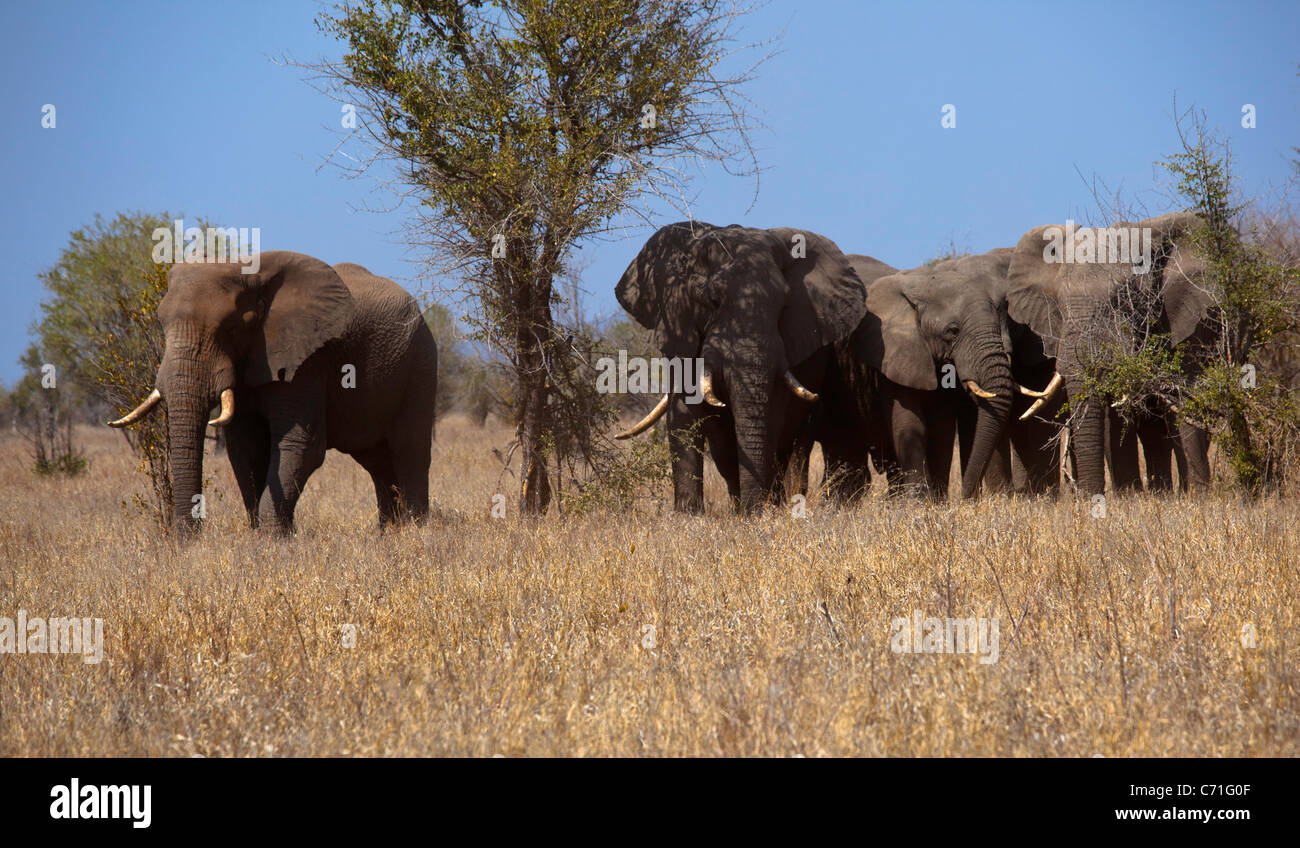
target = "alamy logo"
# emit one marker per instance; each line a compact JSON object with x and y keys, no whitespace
{"x":93,"y":801}
{"x":657,"y":375}
{"x":921,"y":635}
{"x":1088,"y":245}
{"x":208,"y":244}
{"x":25,"y":635}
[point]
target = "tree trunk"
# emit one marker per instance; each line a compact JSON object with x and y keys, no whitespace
{"x":535,"y":331}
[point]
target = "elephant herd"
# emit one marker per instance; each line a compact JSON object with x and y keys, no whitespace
{"x":801,"y":343}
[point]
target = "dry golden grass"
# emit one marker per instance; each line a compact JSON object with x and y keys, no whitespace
{"x":475,"y":636}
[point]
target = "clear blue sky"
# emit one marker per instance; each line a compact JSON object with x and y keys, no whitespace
{"x":179,"y":107}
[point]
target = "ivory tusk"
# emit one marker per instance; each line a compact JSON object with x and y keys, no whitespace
{"x":706,"y":387}
{"x":140,"y":411}
{"x":1044,"y":397}
{"x":975,"y":389}
{"x":647,"y":422}
{"x":227,"y":409}
{"x":1119,"y":402}
{"x":798,"y":389}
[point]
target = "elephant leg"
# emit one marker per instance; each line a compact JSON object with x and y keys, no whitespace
{"x":847,"y":477}
{"x":1124,"y":472}
{"x":1039,"y":455}
{"x":294,"y":455}
{"x":249,"y":450}
{"x":378,"y":462}
{"x":1157,"y":449}
{"x":410,"y":446}
{"x":1195,"y":443}
{"x":796,"y":467}
{"x":998,"y":478}
{"x":908,"y":430}
{"x":940,"y":430}
{"x":966,"y":415}
{"x":720,"y":434}
{"x":685,"y":447}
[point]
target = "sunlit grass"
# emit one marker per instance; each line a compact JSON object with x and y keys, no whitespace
{"x":645,"y":633}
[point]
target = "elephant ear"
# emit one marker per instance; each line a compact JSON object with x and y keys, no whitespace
{"x":1033,"y":287}
{"x":1184,"y":274}
{"x":307,"y":304}
{"x":654,"y":288}
{"x":825,"y":299}
{"x":890,"y":338}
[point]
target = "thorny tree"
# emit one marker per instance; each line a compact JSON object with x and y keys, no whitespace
{"x":522,"y":128}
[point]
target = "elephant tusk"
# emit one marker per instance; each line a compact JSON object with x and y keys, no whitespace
{"x":706,"y":387}
{"x":647,"y":422}
{"x":798,"y":389}
{"x":1044,"y":397}
{"x":975,"y":389}
{"x":1119,"y":402}
{"x":140,"y":411}
{"x":227,"y":409}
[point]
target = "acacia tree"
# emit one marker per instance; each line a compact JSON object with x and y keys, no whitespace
{"x":522,"y":128}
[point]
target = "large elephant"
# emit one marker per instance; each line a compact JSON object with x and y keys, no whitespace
{"x":850,"y":420}
{"x":939,"y":335}
{"x":302,"y":357}
{"x":1078,"y":299}
{"x":932,"y":353}
{"x":760,"y":309}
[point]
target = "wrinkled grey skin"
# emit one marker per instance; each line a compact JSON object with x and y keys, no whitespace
{"x":884,"y":398}
{"x":1061,"y":303}
{"x":738,"y":298}
{"x":1029,"y":445}
{"x":851,"y":418}
{"x":280,"y":339}
{"x":950,"y":313}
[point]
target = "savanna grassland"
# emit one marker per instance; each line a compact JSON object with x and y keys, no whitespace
{"x":643,"y":633}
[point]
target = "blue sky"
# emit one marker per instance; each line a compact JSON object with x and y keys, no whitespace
{"x":179,"y":107}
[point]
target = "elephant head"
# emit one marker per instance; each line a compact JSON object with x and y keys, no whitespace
{"x":951,"y":313}
{"x":225,"y":330}
{"x":751,"y":304}
{"x":1070,"y":288}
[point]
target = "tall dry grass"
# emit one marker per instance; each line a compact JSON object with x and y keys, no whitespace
{"x":1118,"y":636}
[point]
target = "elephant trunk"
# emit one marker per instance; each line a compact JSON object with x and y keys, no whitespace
{"x":186,"y":380}
{"x":751,"y":384}
{"x":1088,"y":442}
{"x":987,"y":363}
{"x":755,"y":453}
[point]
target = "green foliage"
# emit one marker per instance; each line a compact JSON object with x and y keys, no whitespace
{"x":91,"y":292}
{"x":99,"y":327}
{"x":1256,"y":306}
{"x":525,"y":126}
{"x":639,"y":473}
{"x":126,"y":363}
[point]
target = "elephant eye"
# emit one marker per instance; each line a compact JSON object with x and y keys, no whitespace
{"x":950,"y":332}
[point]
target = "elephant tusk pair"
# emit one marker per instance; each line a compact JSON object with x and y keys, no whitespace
{"x":1043,"y":397}
{"x":798,"y":389}
{"x":706,"y":389}
{"x":227,"y":409}
{"x":974,"y":388}
{"x":140,"y":411}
